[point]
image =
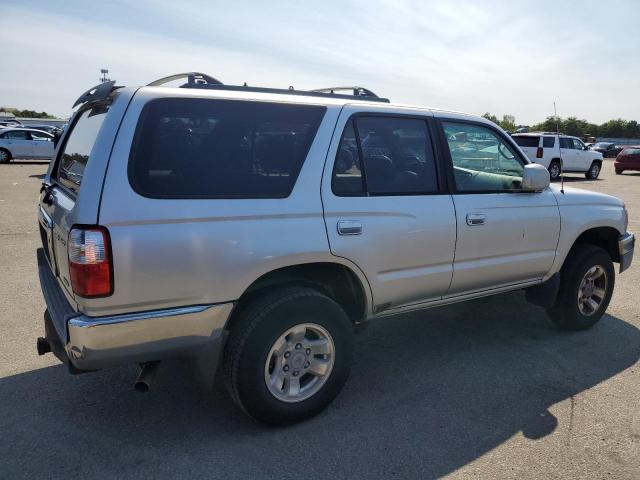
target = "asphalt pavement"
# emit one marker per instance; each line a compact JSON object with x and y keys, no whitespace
{"x":485,"y":389}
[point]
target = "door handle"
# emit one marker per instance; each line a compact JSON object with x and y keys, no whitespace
{"x":474,"y":219}
{"x":349,"y":227}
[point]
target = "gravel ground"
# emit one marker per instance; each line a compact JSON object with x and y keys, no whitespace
{"x":485,"y":389}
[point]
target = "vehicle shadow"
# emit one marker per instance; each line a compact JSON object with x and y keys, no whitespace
{"x":429,"y":393}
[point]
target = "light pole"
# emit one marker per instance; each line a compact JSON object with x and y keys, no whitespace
{"x":104,"y":78}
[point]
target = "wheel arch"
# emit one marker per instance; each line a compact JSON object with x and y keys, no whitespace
{"x":336,"y":280}
{"x":603,"y":237}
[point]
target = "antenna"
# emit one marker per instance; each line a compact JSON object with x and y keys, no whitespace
{"x":555,"y":112}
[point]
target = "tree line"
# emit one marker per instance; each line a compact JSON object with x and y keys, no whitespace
{"x":26,"y":113}
{"x":573,"y":126}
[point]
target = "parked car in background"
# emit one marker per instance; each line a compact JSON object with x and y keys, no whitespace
{"x":52,"y":129}
{"x":627,"y":159}
{"x":263,"y":226}
{"x":548,"y":149}
{"x":10,"y":123}
{"x":25,"y":143}
{"x":590,"y":144}
{"x":608,"y":150}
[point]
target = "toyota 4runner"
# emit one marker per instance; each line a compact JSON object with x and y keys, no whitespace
{"x":257,"y":228}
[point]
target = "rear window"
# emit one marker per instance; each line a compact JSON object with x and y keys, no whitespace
{"x":631,"y":151}
{"x":527,"y":141}
{"x":195,"y":148}
{"x":75,"y":152}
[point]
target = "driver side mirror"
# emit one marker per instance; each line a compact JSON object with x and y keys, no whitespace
{"x":535,"y":178}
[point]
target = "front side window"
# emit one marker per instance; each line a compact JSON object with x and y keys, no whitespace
{"x":41,"y":136}
{"x":395,"y":153}
{"x":482,"y":159}
{"x":202,"y":148}
{"x":577,"y":144}
{"x":75,"y":153}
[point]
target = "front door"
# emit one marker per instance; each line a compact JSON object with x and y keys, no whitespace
{"x":42,"y":145}
{"x":568,"y":154}
{"x":505,"y":236}
{"x":386,"y":209}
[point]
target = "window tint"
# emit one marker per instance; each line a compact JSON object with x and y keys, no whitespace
{"x":549,"y":142}
{"x":527,"y":141}
{"x":40,"y":136}
{"x":396,"y":154}
{"x":566,"y":143}
{"x":482,"y":160}
{"x":75,"y":153}
{"x":193,"y":148}
{"x":17,"y":135}
{"x":347,"y":170}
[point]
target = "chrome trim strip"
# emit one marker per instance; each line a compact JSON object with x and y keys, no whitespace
{"x":83,"y":321}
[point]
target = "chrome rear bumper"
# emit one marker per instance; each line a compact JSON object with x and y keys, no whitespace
{"x":92,"y":343}
{"x":626,"y":245}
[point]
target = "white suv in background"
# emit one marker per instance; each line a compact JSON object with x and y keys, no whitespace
{"x":548,"y":148}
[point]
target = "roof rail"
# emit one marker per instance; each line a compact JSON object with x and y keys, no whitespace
{"x":193,"y":78}
{"x":201,"y":80}
{"x":356,"y":91}
{"x":96,"y":94}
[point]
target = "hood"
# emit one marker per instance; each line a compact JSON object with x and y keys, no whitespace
{"x":577,"y":196}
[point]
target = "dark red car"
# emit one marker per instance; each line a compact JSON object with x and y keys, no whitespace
{"x":627,"y":159}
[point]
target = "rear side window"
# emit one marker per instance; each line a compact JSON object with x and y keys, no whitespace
{"x":396,"y":154}
{"x":17,"y":135}
{"x":75,"y":152}
{"x":527,"y":141}
{"x":566,"y":143}
{"x":549,"y":142}
{"x":196,"y":148}
{"x":631,"y":151}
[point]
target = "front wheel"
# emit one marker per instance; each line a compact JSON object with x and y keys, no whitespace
{"x":288,"y":355}
{"x":593,"y":172}
{"x":587,"y":279}
{"x":5,"y":156}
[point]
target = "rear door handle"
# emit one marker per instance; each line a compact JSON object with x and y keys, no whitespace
{"x":474,"y":219}
{"x":349,"y":227}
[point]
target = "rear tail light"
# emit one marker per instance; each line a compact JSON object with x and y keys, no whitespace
{"x":90,"y":262}
{"x":539,"y":152}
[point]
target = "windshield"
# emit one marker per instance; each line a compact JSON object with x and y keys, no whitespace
{"x":601,"y":145}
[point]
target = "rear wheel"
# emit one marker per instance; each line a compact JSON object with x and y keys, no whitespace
{"x":593,"y":172}
{"x":619,"y":172}
{"x":554,"y":170}
{"x":5,"y":155}
{"x":288,"y":355}
{"x":587,"y":279}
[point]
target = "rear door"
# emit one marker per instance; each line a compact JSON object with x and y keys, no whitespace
{"x":568,"y":154}
{"x":19,"y":143}
{"x":385,"y":206}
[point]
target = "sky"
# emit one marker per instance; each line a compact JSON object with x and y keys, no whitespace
{"x":515,"y":57}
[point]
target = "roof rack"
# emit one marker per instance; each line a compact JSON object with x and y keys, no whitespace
{"x":201,"y":80}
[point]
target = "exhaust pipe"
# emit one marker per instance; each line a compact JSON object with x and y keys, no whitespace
{"x":145,"y":378}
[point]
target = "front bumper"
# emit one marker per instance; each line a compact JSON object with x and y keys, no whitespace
{"x":626,"y":245}
{"x":92,"y":343}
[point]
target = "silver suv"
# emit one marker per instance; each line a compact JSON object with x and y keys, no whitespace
{"x":256,"y":229}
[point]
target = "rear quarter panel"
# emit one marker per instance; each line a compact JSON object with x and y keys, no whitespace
{"x":171,"y":252}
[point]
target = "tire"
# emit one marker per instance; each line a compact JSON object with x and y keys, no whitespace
{"x":594,"y":171}
{"x":554,"y":170}
{"x":567,"y":313}
{"x":5,"y":155}
{"x":250,"y":363}
{"x":619,"y":172}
